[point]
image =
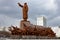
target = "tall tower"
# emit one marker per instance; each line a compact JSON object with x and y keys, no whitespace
{"x":41,"y":21}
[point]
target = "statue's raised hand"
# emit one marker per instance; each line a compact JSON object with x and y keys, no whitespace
{"x":20,"y":4}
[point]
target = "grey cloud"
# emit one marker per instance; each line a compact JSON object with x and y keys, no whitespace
{"x":55,"y":21}
{"x":10,"y":8}
{"x":8,"y":21}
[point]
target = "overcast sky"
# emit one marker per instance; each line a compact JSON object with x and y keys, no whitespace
{"x":11,"y":13}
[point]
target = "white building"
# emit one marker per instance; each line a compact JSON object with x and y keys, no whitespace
{"x":4,"y":29}
{"x":41,"y":21}
{"x":56,"y":30}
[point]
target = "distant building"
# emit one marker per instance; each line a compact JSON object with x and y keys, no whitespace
{"x":41,"y":21}
{"x":4,"y":28}
{"x":56,"y":30}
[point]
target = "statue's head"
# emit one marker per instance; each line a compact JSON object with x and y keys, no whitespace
{"x":25,"y":3}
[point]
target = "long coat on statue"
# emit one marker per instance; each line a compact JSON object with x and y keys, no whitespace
{"x":25,"y":11}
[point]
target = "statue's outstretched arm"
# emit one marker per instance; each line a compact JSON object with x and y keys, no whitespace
{"x":20,"y":5}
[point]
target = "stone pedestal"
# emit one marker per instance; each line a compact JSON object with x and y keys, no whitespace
{"x":24,"y":24}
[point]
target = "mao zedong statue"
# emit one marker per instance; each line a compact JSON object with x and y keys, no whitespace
{"x":24,"y":10}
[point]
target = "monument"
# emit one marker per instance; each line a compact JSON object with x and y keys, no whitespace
{"x":25,"y":15}
{"x":30,"y":31}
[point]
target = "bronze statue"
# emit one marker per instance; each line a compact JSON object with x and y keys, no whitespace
{"x":25,"y":11}
{"x":42,"y":32}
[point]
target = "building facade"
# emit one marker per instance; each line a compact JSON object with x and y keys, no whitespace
{"x":41,"y":21}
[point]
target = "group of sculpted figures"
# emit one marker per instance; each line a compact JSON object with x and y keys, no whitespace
{"x":32,"y":31}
